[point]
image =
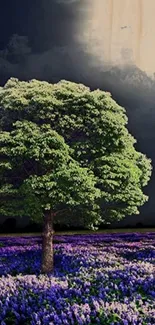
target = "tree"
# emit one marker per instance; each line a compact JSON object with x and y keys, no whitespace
{"x":93,"y":125}
{"x":39,"y":178}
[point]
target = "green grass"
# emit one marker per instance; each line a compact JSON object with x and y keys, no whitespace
{"x":78,"y":232}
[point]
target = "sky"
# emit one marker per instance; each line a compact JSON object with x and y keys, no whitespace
{"x":94,"y":42}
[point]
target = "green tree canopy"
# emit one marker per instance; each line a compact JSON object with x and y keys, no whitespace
{"x":94,"y":127}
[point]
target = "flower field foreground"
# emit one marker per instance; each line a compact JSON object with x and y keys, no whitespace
{"x":99,"y":279}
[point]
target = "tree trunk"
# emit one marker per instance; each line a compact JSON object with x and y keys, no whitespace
{"x":47,"y":243}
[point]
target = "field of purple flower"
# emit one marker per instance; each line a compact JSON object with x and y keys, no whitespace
{"x":99,"y":279}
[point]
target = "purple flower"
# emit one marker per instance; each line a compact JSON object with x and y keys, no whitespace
{"x":96,"y":276}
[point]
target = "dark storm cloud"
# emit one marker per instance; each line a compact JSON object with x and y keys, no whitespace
{"x":66,"y":2}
